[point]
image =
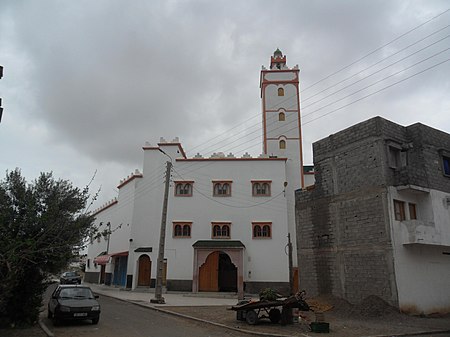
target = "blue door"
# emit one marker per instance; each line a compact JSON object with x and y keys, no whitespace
{"x":120,"y":271}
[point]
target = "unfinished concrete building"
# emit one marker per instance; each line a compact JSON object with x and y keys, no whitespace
{"x":377,"y":220}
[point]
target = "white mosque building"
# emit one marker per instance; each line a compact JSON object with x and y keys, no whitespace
{"x":228,"y":218}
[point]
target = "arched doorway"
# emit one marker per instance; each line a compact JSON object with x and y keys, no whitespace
{"x":144,"y":271}
{"x":218,"y":273}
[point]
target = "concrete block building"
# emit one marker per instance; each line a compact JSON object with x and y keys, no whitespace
{"x":228,"y":217}
{"x":377,"y":220}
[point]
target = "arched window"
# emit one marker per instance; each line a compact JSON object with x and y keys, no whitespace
{"x":225,"y":231}
{"x":256,"y":188}
{"x":186,"y":230}
{"x":281,"y":117}
{"x":280,"y":92}
{"x":182,"y":229}
{"x":266,"y":231}
{"x":178,"y":231}
{"x":262,"y":230}
{"x":217,"y":231}
{"x":221,"y":230}
{"x":183,"y":189}
{"x":282,"y":144}
{"x":261,"y":188}
{"x":222,"y":189}
{"x":256,"y":231}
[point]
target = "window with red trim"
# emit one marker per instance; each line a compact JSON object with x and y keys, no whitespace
{"x":220,"y":230}
{"x":262,"y":230}
{"x":222,"y":189}
{"x":183,"y":189}
{"x":182,"y":229}
{"x":261,"y":188}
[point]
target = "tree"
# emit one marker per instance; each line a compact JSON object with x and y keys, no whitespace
{"x":41,"y":225}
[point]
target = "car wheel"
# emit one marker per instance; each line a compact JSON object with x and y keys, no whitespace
{"x":56,"y":321}
{"x":95,"y":320}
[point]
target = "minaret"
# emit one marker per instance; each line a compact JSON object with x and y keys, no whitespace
{"x":282,"y":134}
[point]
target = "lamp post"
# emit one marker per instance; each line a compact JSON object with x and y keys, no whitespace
{"x":162,"y":238}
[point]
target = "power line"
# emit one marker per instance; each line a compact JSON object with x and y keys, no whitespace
{"x":377,"y":49}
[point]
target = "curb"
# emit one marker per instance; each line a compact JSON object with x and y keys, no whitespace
{"x":45,"y":328}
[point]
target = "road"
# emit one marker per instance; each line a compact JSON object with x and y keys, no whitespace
{"x":122,"y":319}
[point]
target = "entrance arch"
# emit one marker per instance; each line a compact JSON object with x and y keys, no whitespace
{"x":218,"y":273}
{"x":144,"y":271}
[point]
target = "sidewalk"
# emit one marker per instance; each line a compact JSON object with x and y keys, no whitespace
{"x":345,"y":320}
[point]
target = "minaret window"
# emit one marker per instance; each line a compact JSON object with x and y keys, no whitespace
{"x":280,"y":92}
{"x":282,"y":144}
{"x":281,"y":117}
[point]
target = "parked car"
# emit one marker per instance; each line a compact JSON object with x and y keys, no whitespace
{"x":73,"y":302}
{"x":70,"y":277}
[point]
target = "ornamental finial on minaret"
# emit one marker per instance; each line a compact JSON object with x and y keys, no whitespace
{"x":278,"y":61}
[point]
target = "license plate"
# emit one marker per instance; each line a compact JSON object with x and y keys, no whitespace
{"x":80,"y":314}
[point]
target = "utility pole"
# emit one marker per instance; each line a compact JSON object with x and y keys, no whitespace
{"x":162,"y":241}
{"x":291,"y":273}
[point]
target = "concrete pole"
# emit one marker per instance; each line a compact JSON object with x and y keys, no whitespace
{"x":162,"y":241}
{"x":291,"y":272}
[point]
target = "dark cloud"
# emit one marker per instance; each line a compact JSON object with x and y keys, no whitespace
{"x":106,"y":76}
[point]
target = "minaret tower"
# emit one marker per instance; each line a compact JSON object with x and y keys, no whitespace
{"x":282,"y":136}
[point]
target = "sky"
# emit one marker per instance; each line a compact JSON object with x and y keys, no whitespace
{"x":87,"y":83}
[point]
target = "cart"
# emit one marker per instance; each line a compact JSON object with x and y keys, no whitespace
{"x":276,"y":311}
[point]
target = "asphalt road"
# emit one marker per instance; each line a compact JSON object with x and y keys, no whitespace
{"x":122,"y":319}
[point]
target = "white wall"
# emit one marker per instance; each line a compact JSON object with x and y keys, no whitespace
{"x":422,"y":270}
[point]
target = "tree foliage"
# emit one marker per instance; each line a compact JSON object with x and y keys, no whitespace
{"x":41,"y":225}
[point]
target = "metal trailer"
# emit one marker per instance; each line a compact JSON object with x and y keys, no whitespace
{"x":252,"y":312}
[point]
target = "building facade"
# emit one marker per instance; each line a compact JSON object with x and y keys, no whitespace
{"x":377,"y":220}
{"x":228,"y":217}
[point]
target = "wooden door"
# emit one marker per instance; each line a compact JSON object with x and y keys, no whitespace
{"x":145,"y":267}
{"x":295,"y":285}
{"x":209,"y":273}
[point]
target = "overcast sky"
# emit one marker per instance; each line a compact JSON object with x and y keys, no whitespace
{"x":87,"y":83}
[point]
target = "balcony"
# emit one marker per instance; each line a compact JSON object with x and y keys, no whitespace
{"x":423,"y":232}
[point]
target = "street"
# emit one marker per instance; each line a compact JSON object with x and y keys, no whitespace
{"x":119,"y":319}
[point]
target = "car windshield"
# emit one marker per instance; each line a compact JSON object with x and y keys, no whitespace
{"x":78,"y":293}
{"x":70,"y":274}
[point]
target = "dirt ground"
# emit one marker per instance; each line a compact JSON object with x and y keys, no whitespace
{"x":369,"y":318}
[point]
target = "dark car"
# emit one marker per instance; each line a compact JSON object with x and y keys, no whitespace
{"x":73,"y":302}
{"x":70,"y":277}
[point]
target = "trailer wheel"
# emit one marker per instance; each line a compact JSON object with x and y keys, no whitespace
{"x":274,"y":315}
{"x":251,"y":317}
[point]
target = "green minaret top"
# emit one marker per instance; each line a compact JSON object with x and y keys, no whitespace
{"x":277,"y":52}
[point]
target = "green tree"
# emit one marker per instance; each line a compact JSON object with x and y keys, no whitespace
{"x":41,"y":225}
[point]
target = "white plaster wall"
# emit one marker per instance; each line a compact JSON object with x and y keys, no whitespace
{"x":287,"y":128}
{"x":275,"y":102}
{"x":280,"y":75}
{"x":147,"y":207}
{"x":264,"y":258}
{"x":422,"y":270}
{"x":309,"y":179}
{"x":99,"y":245}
